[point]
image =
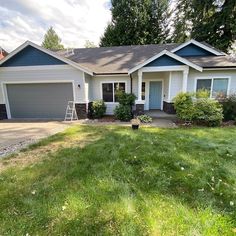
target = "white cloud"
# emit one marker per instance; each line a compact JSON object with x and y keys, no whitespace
{"x":75,"y":21}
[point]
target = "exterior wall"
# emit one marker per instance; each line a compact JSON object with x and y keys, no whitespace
{"x":31,"y":56}
{"x":193,"y":75}
{"x":96,"y":88}
{"x":176,"y":84}
{"x":193,"y":50}
{"x":164,"y":61}
{"x":36,"y":74}
{"x":45,"y":73}
{"x":152,"y":76}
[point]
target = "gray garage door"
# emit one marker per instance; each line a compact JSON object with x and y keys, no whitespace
{"x":39,"y":100}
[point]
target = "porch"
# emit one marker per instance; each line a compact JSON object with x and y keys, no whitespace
{"x":160,"y":114}
{"x":156,"y":88}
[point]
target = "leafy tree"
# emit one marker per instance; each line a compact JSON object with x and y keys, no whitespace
{"x":212,"y":21}
{"x":52,"y":40}
{"x":137,"y":22}
{"x":89,"y":44}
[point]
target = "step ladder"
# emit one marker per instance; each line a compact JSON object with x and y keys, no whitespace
{"x":71,"y":113}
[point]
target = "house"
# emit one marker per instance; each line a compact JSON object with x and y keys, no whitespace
{"x":38,"y":83}
{"x":3,"y":53}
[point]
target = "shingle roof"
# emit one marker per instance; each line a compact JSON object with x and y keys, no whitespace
{"x":119,"y":60}
{"x":213,"y":61}
{"x":106,"y":60}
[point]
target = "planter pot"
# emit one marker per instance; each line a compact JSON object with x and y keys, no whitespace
{"x":135,"y":126}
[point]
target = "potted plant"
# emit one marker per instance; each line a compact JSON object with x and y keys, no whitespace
{"x":135,"y":123}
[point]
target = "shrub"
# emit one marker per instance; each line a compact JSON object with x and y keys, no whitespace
{"x":229,"y":108}
{"x":203,"y":93}
{"x":126,"y":98}
{"x":183,"y":104}
{"x":98,"y":109}
{"x":145,"y":118}
{"x":123,"y":112}
{"x":208,"y":112}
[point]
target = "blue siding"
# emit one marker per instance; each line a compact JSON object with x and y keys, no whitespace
{"x":31,"y":56}
{"x":164,"y":61}
{"x":192,"y":50}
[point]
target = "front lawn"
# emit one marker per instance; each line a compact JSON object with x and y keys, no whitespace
{"x":110,"y":180}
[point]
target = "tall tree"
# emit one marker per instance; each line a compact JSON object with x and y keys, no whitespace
{"x":137,"y":22}
{"x":52,"y":40}
{"x":213,"y":21}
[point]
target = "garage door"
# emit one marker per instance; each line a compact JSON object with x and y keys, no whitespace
{"x":39,"y":100}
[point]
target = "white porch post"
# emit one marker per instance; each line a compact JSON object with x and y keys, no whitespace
{"x":140,"y":79}
{"x":185,"y":80}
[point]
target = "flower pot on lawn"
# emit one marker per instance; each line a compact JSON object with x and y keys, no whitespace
{"x":135,"y":123}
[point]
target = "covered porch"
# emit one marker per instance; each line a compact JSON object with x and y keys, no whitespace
{"x":157,"y":86}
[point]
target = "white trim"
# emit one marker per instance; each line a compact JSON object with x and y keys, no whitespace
{"x":111,"y":82}
{"x":212,"y":80}
{"x":55,"y":55}
{"x":199,"y":45}
{"x":169,"y":87}
{"x":5,"y":95}
{"x":32,"y":68}
{"x":112,"y":75}
{"x":170,"y":54}
{"x":222,"y":68}
{"x":163,"y":68}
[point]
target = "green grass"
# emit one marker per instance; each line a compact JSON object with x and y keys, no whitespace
{"x":110,"y":180}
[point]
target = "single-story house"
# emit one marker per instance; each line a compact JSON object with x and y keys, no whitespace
{"x":38,"y":83}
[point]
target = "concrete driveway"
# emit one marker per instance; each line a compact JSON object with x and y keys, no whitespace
{"x":16,"y":134}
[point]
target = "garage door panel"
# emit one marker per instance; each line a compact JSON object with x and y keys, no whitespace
{"x":39,"y":100}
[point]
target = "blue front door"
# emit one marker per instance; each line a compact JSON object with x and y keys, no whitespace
{"x":155,"y":94}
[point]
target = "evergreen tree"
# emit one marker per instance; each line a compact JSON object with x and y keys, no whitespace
{"x":212,"y":21}
{"x":137,"y":22}
{"x":52,"y":40}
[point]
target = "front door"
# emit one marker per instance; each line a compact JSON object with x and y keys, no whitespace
{"x":155,"y":94}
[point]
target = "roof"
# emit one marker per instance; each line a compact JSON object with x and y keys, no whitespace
{"x":213,"y":61}
{"x":115,"y":60}
{"x":121,"y":59}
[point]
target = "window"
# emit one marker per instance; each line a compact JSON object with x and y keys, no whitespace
{"x":220,"y":87}
{"x":216,"y":86}
{"x":143,"y":90}
{"x":107,"y":92}
{"x":110,"y":90}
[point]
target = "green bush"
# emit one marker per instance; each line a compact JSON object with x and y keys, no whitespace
{"x":126,"y":98}
{"x":208,"y":112}
{"x":183,"y":104}
{"x":229,"y":108}
{"x":145,"y":118}
{"x":98,"y":109}
{"x":123,"y":112}
{"x":203,"y":93}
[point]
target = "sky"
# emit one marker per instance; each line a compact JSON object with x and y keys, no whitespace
{"x":75,"y":21}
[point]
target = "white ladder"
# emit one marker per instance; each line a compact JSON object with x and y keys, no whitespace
{"x":71,"y":113}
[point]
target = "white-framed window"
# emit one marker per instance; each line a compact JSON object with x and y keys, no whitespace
{"x":110,"y":90}
{"x":217,"y":87}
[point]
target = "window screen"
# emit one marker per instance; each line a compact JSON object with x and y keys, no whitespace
{"x":204,"y":84}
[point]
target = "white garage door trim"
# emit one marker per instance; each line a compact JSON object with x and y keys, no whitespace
{"x":5,"y":83}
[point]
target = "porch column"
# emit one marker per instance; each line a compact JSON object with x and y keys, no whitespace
{"x":140,"y":78}
{"x":139,"y":104}
{"x":185,"y":80}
